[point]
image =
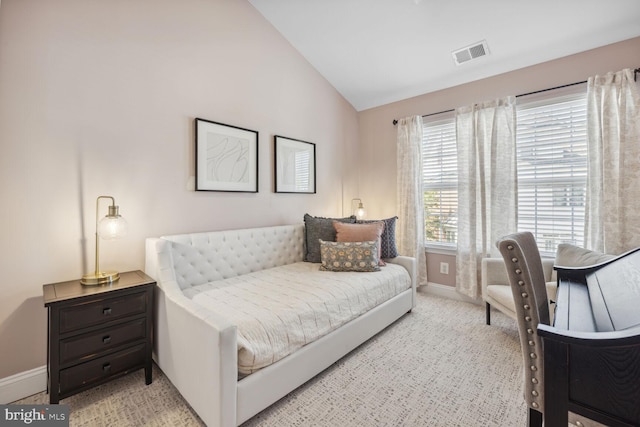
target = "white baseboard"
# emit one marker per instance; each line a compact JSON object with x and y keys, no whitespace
{"x":447,"y":292}
{"x":23,"y":384}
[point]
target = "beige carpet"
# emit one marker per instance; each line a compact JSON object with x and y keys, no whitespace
{"x":437,"y":366}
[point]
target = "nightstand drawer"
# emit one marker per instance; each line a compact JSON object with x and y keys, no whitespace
{"x":102,"y":310}
{"x":86,"y":345}
{"x":102,"y":368}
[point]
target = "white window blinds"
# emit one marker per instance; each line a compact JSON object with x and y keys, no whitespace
{"x":440,"y":179}
{"x":552,"y":168}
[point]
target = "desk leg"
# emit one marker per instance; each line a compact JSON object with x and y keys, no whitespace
{"x":556,"y":384}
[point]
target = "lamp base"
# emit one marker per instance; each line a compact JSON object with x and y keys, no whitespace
{"x":100,"y":278}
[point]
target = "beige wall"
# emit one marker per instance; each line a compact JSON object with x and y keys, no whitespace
{"x":378,"y":135}
{"x":98,"y":98}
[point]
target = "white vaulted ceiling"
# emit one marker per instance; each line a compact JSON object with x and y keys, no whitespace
{"x":379,"y":51}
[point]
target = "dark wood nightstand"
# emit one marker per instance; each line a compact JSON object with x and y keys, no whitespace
{"x":97,"y":333}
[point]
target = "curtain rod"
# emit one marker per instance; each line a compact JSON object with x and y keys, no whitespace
{"x":635,"y":78}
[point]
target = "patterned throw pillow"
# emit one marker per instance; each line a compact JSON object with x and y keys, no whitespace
{"x":349,"y":256}
{"x":388,"y":238}
{"x":316,"y":228}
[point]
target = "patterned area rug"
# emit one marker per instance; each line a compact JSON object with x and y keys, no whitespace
{"x":440,"y":365}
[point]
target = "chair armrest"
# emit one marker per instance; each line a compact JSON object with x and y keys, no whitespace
{"x":494,"y":272}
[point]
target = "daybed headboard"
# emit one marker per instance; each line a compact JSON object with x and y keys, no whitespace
{"x":198,"y":258}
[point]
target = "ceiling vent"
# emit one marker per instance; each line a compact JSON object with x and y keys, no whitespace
{"x":471,"y":52}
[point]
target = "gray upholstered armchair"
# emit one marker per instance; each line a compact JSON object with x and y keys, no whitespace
{"x":527,"y":281}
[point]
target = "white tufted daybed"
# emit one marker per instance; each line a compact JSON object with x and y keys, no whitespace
{"x":214,"y":286}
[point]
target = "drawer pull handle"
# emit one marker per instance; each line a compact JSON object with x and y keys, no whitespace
{"x":106,"y":340}
{"x":106,"y":367}
{"x":106,"y":311}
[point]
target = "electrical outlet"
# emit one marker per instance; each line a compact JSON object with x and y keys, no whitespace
{"x":444,"y":268}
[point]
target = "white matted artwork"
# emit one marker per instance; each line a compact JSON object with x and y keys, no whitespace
{"x":295,"y":165}
{"x":226,"y":158}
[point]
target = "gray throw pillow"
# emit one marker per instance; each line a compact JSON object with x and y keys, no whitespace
{"x":316,"y":228}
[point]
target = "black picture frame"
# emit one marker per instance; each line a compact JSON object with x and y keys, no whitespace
{"x":294,"y":165}
{"x":226,"y":157}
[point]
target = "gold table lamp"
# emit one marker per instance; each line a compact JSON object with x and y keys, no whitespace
{"x":359,"y":212}
{"x":112,"y":226}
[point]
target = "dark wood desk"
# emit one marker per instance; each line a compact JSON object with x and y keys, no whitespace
{"x":592,"y":352}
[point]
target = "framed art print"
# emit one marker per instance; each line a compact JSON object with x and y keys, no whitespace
{"x":295,"y":165}
{"x":226,"y":158}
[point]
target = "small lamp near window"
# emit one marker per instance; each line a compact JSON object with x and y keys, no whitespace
{"x":112,"y":226}
{"x":359,"y":212}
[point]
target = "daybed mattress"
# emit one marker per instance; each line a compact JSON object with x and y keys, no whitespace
{"x":281,"y":309}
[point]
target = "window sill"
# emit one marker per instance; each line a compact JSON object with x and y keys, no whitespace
{"x":431,"y":248}
{"x":451,"y":250}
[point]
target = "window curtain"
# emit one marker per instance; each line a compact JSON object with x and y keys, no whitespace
{"x":410,"y":198}
{"x":612,"y":219}
{"x":487,"y":183}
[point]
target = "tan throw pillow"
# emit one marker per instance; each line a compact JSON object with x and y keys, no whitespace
{"x":360,"y":233}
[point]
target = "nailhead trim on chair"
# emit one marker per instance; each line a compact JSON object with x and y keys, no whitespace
{"x":528,"y":319}
{"x":526,"y":272}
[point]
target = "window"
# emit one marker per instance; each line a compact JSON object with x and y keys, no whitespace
{"x":552,"y":170}
{"x":440,"y":179}
{"x":551,"y":138}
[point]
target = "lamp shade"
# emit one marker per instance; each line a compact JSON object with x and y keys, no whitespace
{"x":112,"y":226}
{"x":358,"y":211}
